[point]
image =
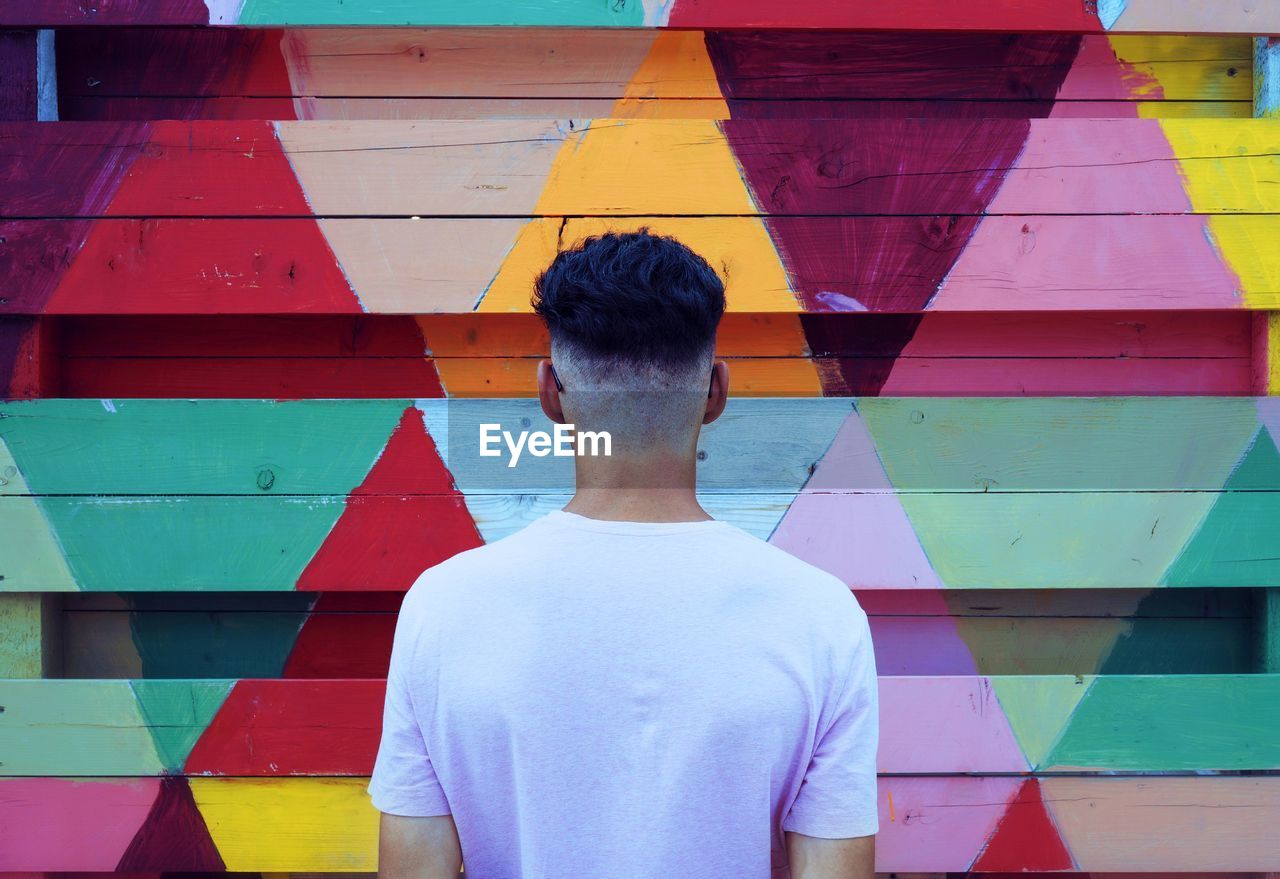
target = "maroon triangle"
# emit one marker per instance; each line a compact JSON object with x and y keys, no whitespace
{"x":818,"y":74}
{"x":173,"y":837}
{"x":68,"y":171}
{"x":1025,"y":839}
{"x":856,"y":352}
{"x":870,"y":215}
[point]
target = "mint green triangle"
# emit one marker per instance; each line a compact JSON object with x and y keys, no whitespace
{"x":1234,"y":545}
{"x":34,"y":561}
{"x":177,"y":713}
{"x":1039,"y":708}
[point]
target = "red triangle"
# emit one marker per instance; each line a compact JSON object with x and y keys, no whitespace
{"x":1025,"y":839}
{"x":191,"y":266}
{"x":204,"y":261}
{"x":405,"y":517}
{"x":275,"y":727}
{"x":173,"y":837}
{"x":342,"y":639}
{"x":210,"y":169}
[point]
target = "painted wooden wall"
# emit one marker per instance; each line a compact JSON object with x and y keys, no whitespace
{"x":1003,"y":322}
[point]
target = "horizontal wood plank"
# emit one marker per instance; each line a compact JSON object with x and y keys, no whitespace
{"x":1134,"y":16}
{"x":886,"y":493}
{"x":941,"y":445}
{"x":326,"y":825}
{"x":126,"y":108}
{"x":566,"y":167}
{"x":871,"y":539}
{"x":351,"y":68}
{"x":915,"y":632}
{"x":404,"y":266}
{"x":976,"y":725}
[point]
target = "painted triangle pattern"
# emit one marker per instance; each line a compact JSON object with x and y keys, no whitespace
{"x":173,"y":836}
{"x":955,"y":792}
{"x":1025,"y":838}
{"x":816,"y":215}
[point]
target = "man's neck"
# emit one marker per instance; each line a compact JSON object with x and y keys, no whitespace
{"x":649,"y":490}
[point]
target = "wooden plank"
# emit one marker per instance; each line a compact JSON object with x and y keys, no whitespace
{"x":1212,"y":335}
{"x":883,"y":492}
{"x":32,"y":643}
{"x":202,"y":635}
{"x":1266,"y":77}
{"x":1133,"y":16}
{"x":866,"y":167}
{"x":128,"y":108}
{"x":353,"y":378}
{"x":30,"y":358}
{"x":18,"y":73}
{"x":978,"y":725}
{"x":983,"y":540}
{"x":1014,"y":263}
{"x":923,"y":445}
{"x":1267,"y":627}
{"x":46,"y":77}
{"x":184,"y":67}
{"x":927,"y":823}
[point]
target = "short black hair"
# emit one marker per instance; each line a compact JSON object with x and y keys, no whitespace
{"x":631,"y":298}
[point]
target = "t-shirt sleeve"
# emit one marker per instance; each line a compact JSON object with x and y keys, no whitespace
{"x":404,"y":782}
{"x":837,"y":798}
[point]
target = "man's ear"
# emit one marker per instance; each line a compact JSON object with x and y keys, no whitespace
{"x":548,"y":394}
{"x":719,"y":393}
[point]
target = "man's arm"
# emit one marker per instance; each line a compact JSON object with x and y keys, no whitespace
{"x":418,"y":848}
{"x":814,"y":858}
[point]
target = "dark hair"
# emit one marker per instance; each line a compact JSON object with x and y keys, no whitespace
{"x":631,"y":298}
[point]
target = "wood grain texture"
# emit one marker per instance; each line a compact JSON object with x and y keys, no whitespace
{"x":221,"y":266}
{"x":326,"y":825}
{"x":883,"y":492}
{"x":563,"y":167}
{"x":863,"y":354}
{"x":348,"y":635}
{"x":976,"y":725}
{"x":18,"y":73}
{"x":1266,"y":77}
{"x":31,"y":625}
{"x":354,"y":73}
{"x":1133,"y":16}
{"x":799,"y":216}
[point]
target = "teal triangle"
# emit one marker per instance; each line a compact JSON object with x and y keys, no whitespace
{"x":177,"y":714}
{"x":1260,"y":468}
{"x":1234,"y":545}
{"x":216,"y":634}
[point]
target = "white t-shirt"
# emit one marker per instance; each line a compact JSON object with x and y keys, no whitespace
{"x":606,"y":700}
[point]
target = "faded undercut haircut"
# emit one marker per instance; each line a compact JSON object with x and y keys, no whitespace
{"x":631,"y":311}
{"x":632,"y":318}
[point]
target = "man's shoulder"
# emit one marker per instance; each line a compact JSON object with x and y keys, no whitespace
{"x":801,"y":582}
{"x":754,"y":551}
{"x":509,"y":558}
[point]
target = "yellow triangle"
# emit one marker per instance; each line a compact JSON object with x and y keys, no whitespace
{"x":1227,"y":164}
{"x":676,"y":80}
{"x":639,"y":169}
{"x":738,"y":248}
